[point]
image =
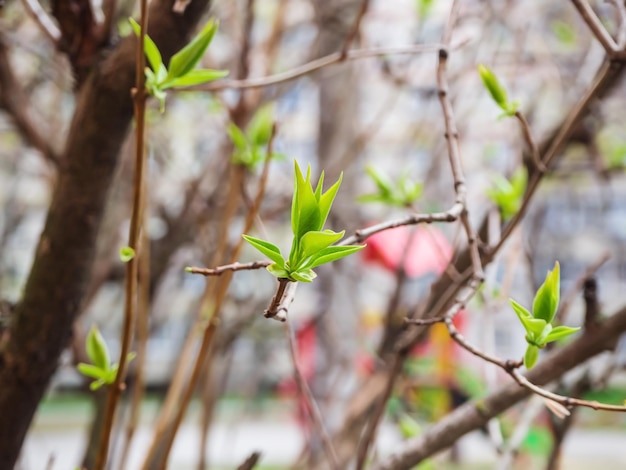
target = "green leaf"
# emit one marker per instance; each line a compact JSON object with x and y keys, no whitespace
{"x":268,"y":249}
{"x":194,"y":77}
{"x":89,"y":370}
{"x":560,"y":332}
{"x":308,"y":210}
{"x":188,"y":57}
{"x":150,"y":48}
{"x":546,"y":301}
{"x":97,"y":349}
{"x":126,"y":254}
{"x":259,"y":130}
{"x":93,"y":386}
{"x":531,"y":356}
{"x":496,"y":90}
{"x":326,"y":200}
{"x":332,"y":253}
{"x":541,"y":339}
{"x":408,"y":426}
{"x":313,"y":242}
{"x":521,"y":311}
{"x":384,"y":185}
{"x":305,"y":275}
{"x":534,"y":327}
{"x":278,"y":271}
{"x":237,"y":136}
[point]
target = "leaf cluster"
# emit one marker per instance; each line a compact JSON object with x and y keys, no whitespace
{"x":538,"y":324}
{"x":497,"y":91}
{"x":508,"y":194}
{"x":181,"y":71}
{"x":251,"y":144}
{"x":311,"y":245}
{"x":402,"y":193}
{"x":100,"y":368}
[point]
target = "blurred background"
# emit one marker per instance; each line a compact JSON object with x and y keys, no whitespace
{"x":378,"y":115}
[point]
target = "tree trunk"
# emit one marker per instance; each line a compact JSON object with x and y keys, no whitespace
{"x":42,"y":323}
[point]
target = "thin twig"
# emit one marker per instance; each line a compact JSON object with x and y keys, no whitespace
{"x":250,"y":462}
{"x":621,"y":22}
{"x":132,"y":267}
{"x":313,"y":66}
{"x":108,"y":9}
{"x":169,"y":429}
{"x":569,"y":297}
{"x":557,"y":142}
{"x":311,"y":404}
{"x":228,"y":267}
{"x":451,"y":215}
{"x":143,"y":334}
{"x":512,"y":368}
{"x":532,"y":144}
{"x":354,"y":30}
{"x":43,"y":20}
{"x":596,"y":26}
{"x":565,"y":401}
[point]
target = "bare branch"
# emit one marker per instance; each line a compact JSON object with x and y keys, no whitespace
{"x":596,"y":26}
{"x":228,"y":267}
{"x":532,"y":144}
{"x":476,"y":414}
{"x":43,"y":20}
{"x":354,"y":31}
{"x":311,"y":404}
{"x":313,"y":66}
{"x":15,"y":101}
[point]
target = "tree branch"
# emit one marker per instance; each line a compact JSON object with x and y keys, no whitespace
{"x":56,"y":284}
{"x":476,"y":414}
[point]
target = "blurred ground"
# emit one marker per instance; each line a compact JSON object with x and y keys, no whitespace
{"x":243,"y":428}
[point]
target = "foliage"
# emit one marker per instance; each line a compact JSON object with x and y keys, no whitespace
{"x":402,"y":193}
{"x":538,"y":324}
{"x":100,"y":368}
{"x":181,"y":72}
{"x":250,"y":146}
{"x":126,"y":254}
{"x":311,"y":245}
{"x":508,"y":194}
{"x":497,"y":91}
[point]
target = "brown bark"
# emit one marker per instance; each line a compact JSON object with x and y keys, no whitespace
{"x":54,"y":290}
{"x":474,"y":415}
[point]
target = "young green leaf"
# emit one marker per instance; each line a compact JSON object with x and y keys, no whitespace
{"x":534,"y":328}
{"x":332,"y":253}
{"x":496,"y":90}
{"x":560,"y":332}
{"x":259,"y":130}
{"x":326,"y":200}
{"x":408,"y":426}
{"x":268,"y":249}
{"x":305,"y":275}
{"x":521,"y":311}
{"x":150,"y":48}
{"x":126,"y":254}
{"x":309,"y":217}
{"x":278,"y":271}
{"x":89,"y":370}
{"x":188,"y":57}
{"x":531,"y":356}
{"x":93,"y":386}
{"x":194,"y":77}
{"x":237,"y":136}
{"x":97,"y":349}
{"x":313,"y":242}
{"x":546,"y":300}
